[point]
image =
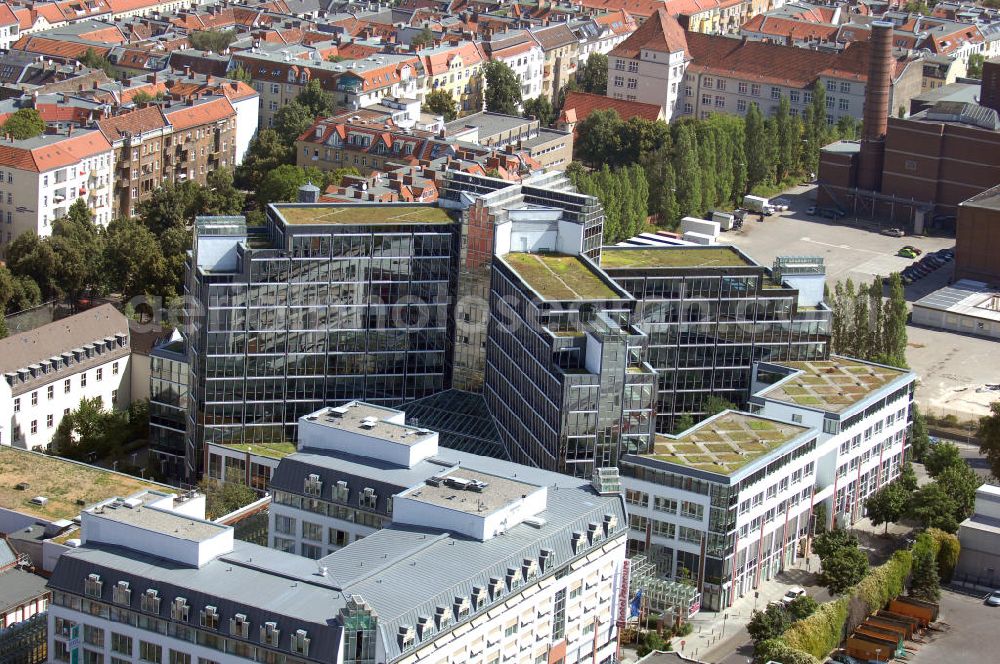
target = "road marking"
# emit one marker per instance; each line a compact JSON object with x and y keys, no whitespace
{"x":845,"y":246}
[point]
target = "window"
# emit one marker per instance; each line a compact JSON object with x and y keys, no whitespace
{"x":707,"y":82}
{"x":114,"y":396}
{"x":312,"y":531}
{"x":311,"y":551}
{"x":100,"y":373}
{"x":150,"y":652}
{"x":284,"y":524}
{"x":17,"y":405}
{"x":706,"y":100}
{"x":210,"y":617}
{"x":755,"y":89}
{"x":741,"y":105}
{"x":66,"y":386}
{"x":619,"y":64}
{"x":239,"y":626}
{"x":775,"y":93}
{"x":619,"y":81}
{"x":511,"y":629}
{"x":668,"y":505}
{"x":632,"y":84}
{"x":122,"y":644}
{"x":559,"y":615}
{"x":83,"y":379}
{"x":269,"y":633}
{"x":793,"y":96}
{"x":633,"y":497}
{"x":845,"y":88}
{"x":150,"y":603}
{"x":114,"y":369}
{"x":34,"y":398}
{"x":720,"y":102}
{"x":368,"y":498}
{"x":807,"y":97}
{"x":300,"y":642}
{"x":93,"y":636}
{"x":742,"y":87}
{"x":49,"y":421}
{"x":179,"y":657}
{"x":831,"y":86}
{"x":720,"y":84}
{"x":633,"y":66}
{"x":91,"y":657}
{"x":338,"y":537}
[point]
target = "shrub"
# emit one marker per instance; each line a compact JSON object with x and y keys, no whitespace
{"x":774,"y":650}
{"x":947,"y":556}
{"x":822,"y":631}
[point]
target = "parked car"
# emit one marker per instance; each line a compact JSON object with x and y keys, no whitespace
{"x":811,"y":209}
{"x":913,"y":249}
{"x":793,"y":594}
{"x":993,"y":599}
{"x":906,"y":252}
{"x":893,"y":232}
{"x":780,"y":204}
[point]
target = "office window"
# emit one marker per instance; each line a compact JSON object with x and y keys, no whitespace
{"x":93,"y":636}
{"x":122,"y":644}
{"x":150,"y":652}
{"x":312,"y":531}
{"x":179,"y":657}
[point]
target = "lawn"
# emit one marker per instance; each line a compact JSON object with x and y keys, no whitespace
{"x":559,"y":277}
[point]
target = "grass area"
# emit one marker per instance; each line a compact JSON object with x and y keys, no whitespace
{"x":621,"y":257}
{"x":363,"y":214}
{"x":772,"y":190}
{"x":65,"y":483}
{"x":832,"y":385}
{"x":559,"y":277}
{"x":272,"y":450}
{"x":760,"y":425}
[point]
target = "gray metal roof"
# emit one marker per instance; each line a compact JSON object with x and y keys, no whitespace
{"x":18,"y":586}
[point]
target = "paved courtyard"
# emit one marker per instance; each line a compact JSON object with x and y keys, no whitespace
{"x":951,"y":367}
{"x":974,"y":634}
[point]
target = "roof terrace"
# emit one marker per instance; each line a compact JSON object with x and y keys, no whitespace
{"x":832,"y":385}
{"x":560,"y":277}
{"x":725,"y":443}
{"x":310,"y":214}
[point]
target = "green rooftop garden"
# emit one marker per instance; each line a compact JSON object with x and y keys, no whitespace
{"x":624,"y":257}
{"x":362,"y":214}
{"x":272,"y":450}
{"x":832,"y":385}
{"x":559,"y":277}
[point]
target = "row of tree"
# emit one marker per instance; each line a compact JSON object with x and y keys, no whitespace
{"x":625,"y":191}
{"x":866,"y":326}
{"x":943,"y":503}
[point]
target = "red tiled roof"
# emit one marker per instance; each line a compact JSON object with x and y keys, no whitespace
{"x":640,"y":8}
{"x":184,"y":117}
{"x":660,"y":33}
{"x":120,"y":6}
{"x":65,"y":152}
{"x":7,"y":16}
{"x":786,"y":28}
{"x":584,"y":103}
{"x":692,"y":7}
{"x":56,"y":47}
{"x":438,"y":63}
{"x":134,"y":122}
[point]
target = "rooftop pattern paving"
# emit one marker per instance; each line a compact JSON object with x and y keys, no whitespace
{"x":832,"y":385}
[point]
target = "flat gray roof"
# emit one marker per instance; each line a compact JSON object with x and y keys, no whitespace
{"x":369,"y":420}
{"x":161,"y":521}
{"x":965,"y":297}
{"x":483,"y":494}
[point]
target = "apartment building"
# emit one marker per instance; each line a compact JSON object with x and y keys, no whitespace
{"x":475,"y":566}
{"x":41,"y":177}
{"x":10,"y":27}
{"x":455,"y":69}
{"x":523,"y":55}
{"x":49,"y":370}
{"x":561,"y":49}
{"x":602,"y":33}
{"x":734,"y":500}
{"x":331,"y":302}
{"x":693,"y":74}
{"x":173,"y":142}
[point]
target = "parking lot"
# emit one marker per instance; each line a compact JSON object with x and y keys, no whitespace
{"x":951,"y":367}
{"x":973,"y":636}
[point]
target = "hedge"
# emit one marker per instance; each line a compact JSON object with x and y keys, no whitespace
{"x":774,"y":650}
{"x":948,"y":550}
{"x":823,"y":631}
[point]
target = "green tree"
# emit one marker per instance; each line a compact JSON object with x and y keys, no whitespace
{"x":32,"y":257}
{"x":319,"y":102}
{"x":623,"y":193}
{"x":894,"y":315}
{"x":503,"y":89}
{"x":240,"y":74}
{"x":830,"y":541}
{"x":220,"y":195}
{"x":222,"y":498}
{"x":843,"y":568}
{"x":212,"y":40}
{"x":541,"y":109}
{"x":440,"y":102}
{"x":768,"y":624}
{"x":26,"y":295}
{"x":687,"y":168}
{"x":78,"y":246}
{"x":787,"y":141}
{"x":919,"y":439}
{"x":861,"y":324}
{"x":933,"y":507}
{"x":714,"y":405}
{"x":759,"y":148}
{"x":24,"y":123}
{"x":801,"y":607}
{"x":423,"y":38}
{"x":683,"y":423}
{"x":776,"y":650}
{"x":282,"y":184}
{"x":925,"y":583}
{"x":641,"y":137}
{"x":908,"y":479}
{"x":599,"y":138}
{"x":134,"y":263}
{"x":143,"y":97}
{"x":989,"y":438}
{"x":291,"y":120}
{"x":975,"y":69}
{"x":94,"y":60}
{"x":887,"y":505}
{"x":662,"y":183}
{"x":593,"y":76}
{"x":652,"y":641}
{"x":941,"y":456}
{"x":960,"y":482}
{"x":266,"y":152}
{"x":172,"y":205}
{"x":4,"y":332}
{"x":89,"y":430}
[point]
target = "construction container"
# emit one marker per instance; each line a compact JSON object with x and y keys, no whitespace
{"x":724,"y":219}
{"x":899,"y":617}
{"x":925,"y":612}
{"x":699,"y":238}
{"x":710,"y":228}
{"x":904,"y":628}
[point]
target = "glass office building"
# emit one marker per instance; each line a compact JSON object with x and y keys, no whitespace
{"x":326,"y":303}
{"x":168,"y":403}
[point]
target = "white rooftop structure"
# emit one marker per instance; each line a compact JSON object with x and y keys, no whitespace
{"x":967,"y":306}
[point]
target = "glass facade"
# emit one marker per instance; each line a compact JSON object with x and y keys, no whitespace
{"x":305,"y":314}
{"x":708,"y":325}
{"x":168,"y":403}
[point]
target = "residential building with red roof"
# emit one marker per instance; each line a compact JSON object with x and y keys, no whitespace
{"x":41,"y":177}
{"x":455,"y":69}
{"x":10,"y":27}
{"x":519,"y":51}
{"x":561,"y":48}
{"x":579,"y":105}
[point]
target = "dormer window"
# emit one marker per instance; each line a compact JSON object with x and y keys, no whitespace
{"x":368,"y":498}
{"x":314,"y":486}
{"x":610,"y":523}
{"x":92,"y":585}
{"x":406,"y":637}
{"x":269,"y":633}
{"x":545,"y":559}
{"x":513,"y":578}
{"x":179,"y":609}
{"x":462,"y":608}
{"x":210,"y":617}
{"x":495,"y":588}
{"x":442,"y":617}
{"x":529,"y":568}
{"x":239,"y":626}
{"x":150,"y":601}
{"x":423,"y":627}
{"x":576,"y":541}
{"x":122,"y":594}
{"x":593,"y":533}
{"x":300,"y":642}
{"x":340,"y":492}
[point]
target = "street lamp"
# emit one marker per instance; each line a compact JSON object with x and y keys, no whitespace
{"x":878,"y":654}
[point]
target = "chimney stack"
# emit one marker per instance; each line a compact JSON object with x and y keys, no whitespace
{"x":877,"y":97}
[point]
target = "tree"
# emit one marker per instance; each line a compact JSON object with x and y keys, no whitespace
{"x":319,"y":102}
{"x":222,"y":498}
{"x":948,"y":549}
{"x":908,"y":478}
{"x":687,"y":168}
{"x":768,"y":624}
{"x":240,"y":74}
{"x":919,"y":440}
{"x":291,"y":120}
{"x":599,"y":138}
{"x":622,"y":192}
{"x":3,"y":326}
{"x":861,"y":324}
{"x":886,"y":505}
{"x":29,"y":256}
{"x":925,"y":583}
{"x":831,"y":541}
{"x":975,"y":69}
{"x":503,"y":89}
{"x":941,"y":456}
{"x":24,"y":123}
{"x":787,"y":140}
{"x":989,"y":438}
{"x":541,"y":109}
{"x":776,"y":650}
{"x":801,"y":607}
{"x":94,"y":60}
{"x":683,"y":423}
{"x":662,"y":182}
{"x":933,"y":507}
{"x":715,"y":405}
{"x":440,"y":102}
{"x":594,"y":75}
{"x":960,"y":482}
{"x":652,"y":641}
{"x":423,"y":38}
{"x":266,"y":152}
{"x":759,"y":148}
{"x":143,"y":97}
{"x":172,"y":205}
{"x":221,"y":197}
{"x":89,"y":430}
{"x":894,"y":324}
{"x":212,"y":40}
{"x":78,"y":246}
{"x":282,"y":184}
{"x":134,"y":263}
{"x":843,"y":568}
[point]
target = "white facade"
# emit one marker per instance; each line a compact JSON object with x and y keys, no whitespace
{"x":528,"y":64}
{"x":656,"y":77}
{"x":247,"y":119}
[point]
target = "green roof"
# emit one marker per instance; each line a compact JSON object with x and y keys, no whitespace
{"x":560,"y":277}
{"x":625,"y":257}
{"x":832,"y":385}
{"x":334,"y":213}
{"x":63,"y":482}
{"x":272,"y":450}
{"x":725,"y":443}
